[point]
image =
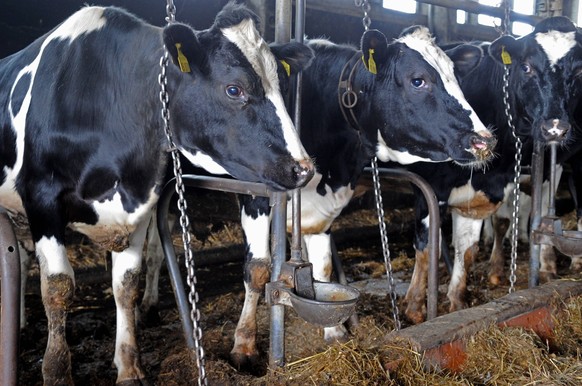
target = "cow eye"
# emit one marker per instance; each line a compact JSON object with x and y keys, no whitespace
{"x":234,"y":91}
{"x":417,"y":82}
{"x":526,"y":68}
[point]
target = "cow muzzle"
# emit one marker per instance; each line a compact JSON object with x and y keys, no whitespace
{"x":555,"y":129}
{"x":304,"y":171}
{"x":482,"y":145}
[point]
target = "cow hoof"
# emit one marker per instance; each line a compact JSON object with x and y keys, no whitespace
{"x":242,"y":361}
{"x":457,"y":305}
{"x":133,"y":382}
{"x":415,"y":316}
{"x":546,"y":276}
{"x":496,"y":279}
{"x":150,"y":317}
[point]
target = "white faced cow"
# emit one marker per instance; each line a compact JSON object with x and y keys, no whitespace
{"x":541,"y":72}
{"x":410,"y":108}
{"x":84,"y":146}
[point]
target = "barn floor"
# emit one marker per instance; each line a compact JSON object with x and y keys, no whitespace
{"x":91,"y":323}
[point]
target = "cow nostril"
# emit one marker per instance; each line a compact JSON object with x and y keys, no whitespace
{"x":304,"y":170}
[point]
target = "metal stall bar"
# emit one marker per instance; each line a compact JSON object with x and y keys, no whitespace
{"x":537,"y":178}
{"x":204,"y":182}
{"x":10,"y":290}
{"x":283,"y":12}
{"x":433,"y":231}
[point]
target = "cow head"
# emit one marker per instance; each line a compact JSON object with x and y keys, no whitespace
{"x":544,"y":65}
{"x":416,"y":91}
{"x":226,"y":79}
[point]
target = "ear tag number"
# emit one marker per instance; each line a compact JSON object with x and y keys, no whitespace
{"x":505,"y":57}
{"x":182,"y":60}
{"x":287,"y":67}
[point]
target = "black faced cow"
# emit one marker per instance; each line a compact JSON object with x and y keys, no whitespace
{"x":84,"y":145}
{"x":541,"y":71}
{"x":409,"y":108}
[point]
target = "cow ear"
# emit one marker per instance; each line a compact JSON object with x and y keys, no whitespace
{"x":184,"y":48}
{"x":374,"y":47}
{"x":504,"y":48}
{"x":465,"y":57}
{"x":293,"y":56}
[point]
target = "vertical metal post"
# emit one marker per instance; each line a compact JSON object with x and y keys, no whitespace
{"x":278,"y":239}
{"x":10,"y":313}
{"x":537,"y":178}
{"x":279,"y":217}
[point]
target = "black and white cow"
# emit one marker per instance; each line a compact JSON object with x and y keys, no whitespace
{"x":541,"y":72}
{"x":409,"y":108}
{"x":84,"y":144}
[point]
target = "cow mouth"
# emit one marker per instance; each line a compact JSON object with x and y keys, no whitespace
{"x":554,"y":130}
{"x":482,"y":145}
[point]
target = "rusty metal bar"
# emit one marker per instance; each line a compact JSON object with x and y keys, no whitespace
{"x":433,"y":231}
{"x":10,"y":313}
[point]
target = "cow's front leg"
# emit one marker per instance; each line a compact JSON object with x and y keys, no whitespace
{"x":57,"y":288}
{"x":257,"y":272}
{"x":125,"y":279}
{"x":318,"y":249}
{"x":466,"y":239}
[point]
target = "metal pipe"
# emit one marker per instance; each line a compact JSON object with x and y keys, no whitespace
{"x":283,"y":21}
{"x":537,"y":178}
{"x":10,"y":291}
{"x":553,"y":182}
{"x":278,"y":240}
{"x":474,"y":7}
{"x":433,"y":232}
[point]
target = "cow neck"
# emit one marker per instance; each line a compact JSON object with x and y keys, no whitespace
{"x":347,"y":97}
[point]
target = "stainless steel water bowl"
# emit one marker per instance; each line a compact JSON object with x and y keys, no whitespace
{"x":333,"y":304}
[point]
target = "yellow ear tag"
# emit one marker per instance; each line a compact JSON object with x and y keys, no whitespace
{"x":287,"y":67}
{"x":182,"y":60}
{"x":505,"y":57}
{"x":371,"y":66}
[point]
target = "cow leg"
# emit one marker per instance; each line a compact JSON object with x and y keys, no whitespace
{"x":318,"y":248}
{"x":576,"y":264}
{"x":57,"y":289}
{"x":153,"y":259}
{"x":415,"y":298}
{"x":25,"y":260}
{"x":126,"y":267}
{"x":497,"y":259}
{"x":467,"y":232}
{"x":257,"y":270}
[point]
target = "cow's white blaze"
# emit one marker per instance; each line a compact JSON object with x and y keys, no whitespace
{"x":86,"y":20}
{"x":422,"y":42}
{"x":246,"y":37}
{"x":556,"y":44}
{"x":386,"y":153}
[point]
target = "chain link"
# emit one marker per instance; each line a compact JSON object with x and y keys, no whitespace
{"x":507,"y":21}
{"x":366,"y":7}
{"x":182,"y":207}
{"x":384,"y":239}
{"x":516,"y":181}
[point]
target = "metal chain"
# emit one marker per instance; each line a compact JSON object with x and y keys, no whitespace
{"x":384,"y":239}
{"x":366,"y":21}
{"x":516,"y":178}
{"x":182,"y":206}
{"x":366,"y":7}
{"x":507,"y":21}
